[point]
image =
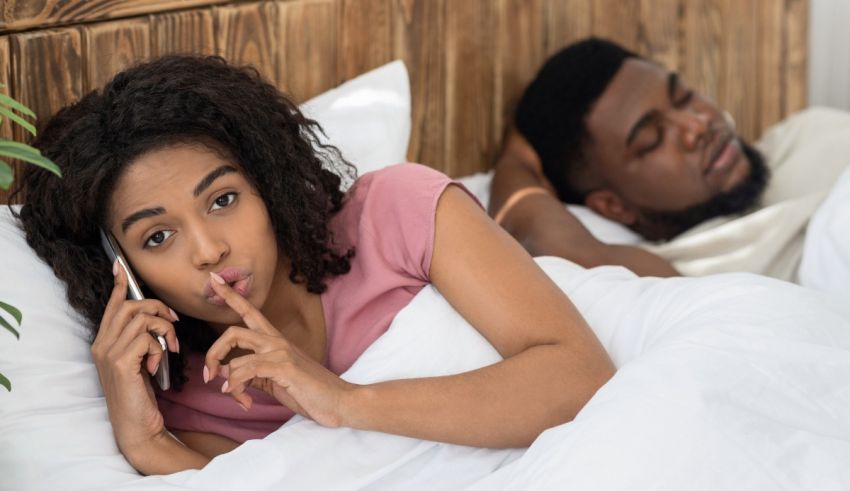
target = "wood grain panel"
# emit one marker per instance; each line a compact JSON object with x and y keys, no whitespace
{"x":702,"y":28}
{"x":470,"y":144}
{"x":24,"y":14}
{"x":770,"y":63}
{"x":419,"y":40}
{"x":246,"y":35}
{"x":307,"y":47}
{"x":739,"y":63}
{"x":658,"y":34}
{"x":110,"y":47}
{"x":567,"y":21}
{"x":365,"y":36}
{"x":520,"y":51}
{"x":617,"y":20}
{"x":46,"y":72}
{"x":189,"y":32}
{"x":5,"y":125}
{"x":47,"y":69}
{"x":796,"y":34}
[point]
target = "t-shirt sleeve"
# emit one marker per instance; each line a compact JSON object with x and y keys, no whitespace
{"x":399,"y":215}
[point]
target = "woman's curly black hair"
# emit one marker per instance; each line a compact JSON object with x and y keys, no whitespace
{"x":177,"y":99}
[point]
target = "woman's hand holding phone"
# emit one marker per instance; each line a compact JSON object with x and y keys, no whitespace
{"x":276,"y":367}
{"x":123,"y":349}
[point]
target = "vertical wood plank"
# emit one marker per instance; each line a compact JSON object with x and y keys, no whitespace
{"x":189,"y":32}
{"x":111,"y":47}
{"x":616,"y":20}
{"x":567,"y":22}
{"x":658,"y":32}
{"x":244,"y":36}
{"x":419,"y":40}
{"x":307,"y":47}
{"x":470,"y":146}
{"x":702,"y":31}
{"x":5,"y":125}
{"x":796,"y":35}
{"x":365,"y":36}
{"x":46,"y":72}
{"x":739,"y":61}
{"x":520,"y":51}
{"x":770,"y":66}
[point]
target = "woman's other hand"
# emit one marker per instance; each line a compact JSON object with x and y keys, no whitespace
{"x":125,"y":352}
{"x":276,"y":367}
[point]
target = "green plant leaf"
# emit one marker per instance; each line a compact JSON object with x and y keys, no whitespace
{"x":31,"y":155}
{"x":22,"y":146}
{"x":5,"y":111}
{"x":8,"y":101}
{"x":6,"y":175}
{"x":5,"y":323}
{"x":12,"y":310}
{"x":4,"y":99}
{"x":5,"y":383}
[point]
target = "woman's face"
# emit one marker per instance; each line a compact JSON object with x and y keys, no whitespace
{"x":184,"y":211}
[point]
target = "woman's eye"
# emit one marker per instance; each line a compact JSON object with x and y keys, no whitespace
{"x":158,"y":238}
{"x":223,"y":201}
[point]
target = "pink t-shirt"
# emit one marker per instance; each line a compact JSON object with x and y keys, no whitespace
{"x":389,"y":218}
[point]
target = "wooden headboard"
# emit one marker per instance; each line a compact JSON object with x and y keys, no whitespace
{"x":468,"y":59}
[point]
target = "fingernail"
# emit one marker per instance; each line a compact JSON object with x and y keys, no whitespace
{"x":155,"y":369}
{"x":178,"y":345}
{"x":206,"y":374}
{"x":173,"y":314}
{"x":243,"y":405}
{"x":115,"y":268}
{"x":225,"y":386}
{"x":218,"y":279}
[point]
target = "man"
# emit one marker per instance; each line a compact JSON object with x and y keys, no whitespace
{"x":603,"y":128}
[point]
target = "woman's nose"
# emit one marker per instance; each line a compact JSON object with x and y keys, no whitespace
{"x":208,"y":250}
{"x":693,"y":125}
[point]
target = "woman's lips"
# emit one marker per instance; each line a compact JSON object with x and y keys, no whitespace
{"x":238,"y":279}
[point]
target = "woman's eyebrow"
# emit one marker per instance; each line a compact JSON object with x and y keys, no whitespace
{"x":211,"y":177}
{"x":135,"y":217}
{"x":203,"y":185}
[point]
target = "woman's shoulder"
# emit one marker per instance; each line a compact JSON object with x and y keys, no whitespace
{"x":400,"y":175}
{"x":384,"y":190}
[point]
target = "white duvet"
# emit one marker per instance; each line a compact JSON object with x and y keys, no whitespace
{"x":726,"y":382}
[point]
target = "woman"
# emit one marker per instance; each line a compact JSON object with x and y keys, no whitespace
{"x":275,"y":281}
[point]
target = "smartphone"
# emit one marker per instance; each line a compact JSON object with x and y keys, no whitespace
{"x":113,"y":251}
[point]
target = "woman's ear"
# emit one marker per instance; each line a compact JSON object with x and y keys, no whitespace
{"x":609,"y":204}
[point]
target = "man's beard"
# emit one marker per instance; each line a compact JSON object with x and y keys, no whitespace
{"x":664,"y":225}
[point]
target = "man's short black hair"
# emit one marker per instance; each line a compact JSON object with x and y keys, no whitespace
{"x":552,"y":110}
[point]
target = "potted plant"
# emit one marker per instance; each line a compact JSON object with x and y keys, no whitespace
{"x":25,"y":153}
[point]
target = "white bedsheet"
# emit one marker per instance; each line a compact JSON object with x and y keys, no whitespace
{"x":826,"y":253}
{"x":726,"y":382}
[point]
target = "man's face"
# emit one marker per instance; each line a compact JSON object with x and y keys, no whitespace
{"x":661,"y":149}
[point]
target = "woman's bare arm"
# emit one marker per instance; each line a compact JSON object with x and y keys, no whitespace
{"x":207,"y":444}
{"x":553,"y":362}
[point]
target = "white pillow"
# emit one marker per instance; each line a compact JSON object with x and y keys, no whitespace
{"x":368,"y":117}
{"x":55,"y":417}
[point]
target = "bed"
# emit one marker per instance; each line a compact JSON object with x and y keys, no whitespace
{"x":732,"y":381}
{"x":729,"y":382}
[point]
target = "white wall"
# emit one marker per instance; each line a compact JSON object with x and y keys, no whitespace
{"x":829,"y":53}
